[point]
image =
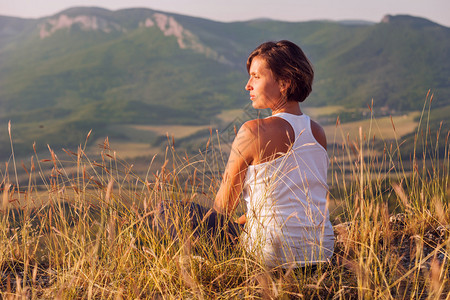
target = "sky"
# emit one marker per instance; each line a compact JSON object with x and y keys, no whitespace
{"x":242,"y":10}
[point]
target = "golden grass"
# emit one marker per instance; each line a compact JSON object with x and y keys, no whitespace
{"x":92,"y":237}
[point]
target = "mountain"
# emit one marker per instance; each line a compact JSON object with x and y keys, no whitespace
{"x":88,"y":68}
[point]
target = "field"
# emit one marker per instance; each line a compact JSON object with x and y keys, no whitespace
{"x":139,"y":140}
{"x":386,"y":128}
{"x":87,"y":231}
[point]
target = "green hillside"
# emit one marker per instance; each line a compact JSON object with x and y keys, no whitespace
{"x":90,"y":68}
{"x":394,"y":62}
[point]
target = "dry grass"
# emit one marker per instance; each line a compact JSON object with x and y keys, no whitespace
{"x":87,"y":232}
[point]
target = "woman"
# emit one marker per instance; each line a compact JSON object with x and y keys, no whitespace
{"x":280,"y":164}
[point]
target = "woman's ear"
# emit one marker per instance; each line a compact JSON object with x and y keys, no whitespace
{"x":284,"y":85}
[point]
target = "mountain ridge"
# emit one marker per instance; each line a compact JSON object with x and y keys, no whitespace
{"x":86,"y":68}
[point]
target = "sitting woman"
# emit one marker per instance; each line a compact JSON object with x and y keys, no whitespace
{"x":280,"y":164}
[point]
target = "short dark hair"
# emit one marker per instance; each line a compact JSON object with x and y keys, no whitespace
{"x":288,"y":63}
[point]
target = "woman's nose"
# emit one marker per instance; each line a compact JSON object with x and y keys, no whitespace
{"x":248,"y":87}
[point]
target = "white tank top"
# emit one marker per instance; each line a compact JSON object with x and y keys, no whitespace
{"x":287,"y":212}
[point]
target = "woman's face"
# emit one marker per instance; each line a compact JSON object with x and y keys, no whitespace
{"x":265,"y":91}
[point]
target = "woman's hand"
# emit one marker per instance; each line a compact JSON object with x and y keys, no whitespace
{"x":242,"y":219}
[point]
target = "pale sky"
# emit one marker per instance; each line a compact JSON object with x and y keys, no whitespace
{"x":242,"y":10}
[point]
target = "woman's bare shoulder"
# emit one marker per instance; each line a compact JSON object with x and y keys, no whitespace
{"x":264,"y":129}
{"x":256,"y":127}
{"x":266,"y":138}
{"x":319,"y":134}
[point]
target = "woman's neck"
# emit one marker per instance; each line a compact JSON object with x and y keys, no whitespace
{"x":290,"y":107}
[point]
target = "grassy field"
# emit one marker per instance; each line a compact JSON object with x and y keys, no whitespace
{"x":128,"y":150}
{"x":228,"y":116}
{"x":386,"y":128}
{"x":383,"y":128}
{"x":316,"y":112}
{"x":137,"y":141}
{"x":177,"y":131}
{"x":87,"y":231}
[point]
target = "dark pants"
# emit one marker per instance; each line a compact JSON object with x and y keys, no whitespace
{"x":174,"y":216}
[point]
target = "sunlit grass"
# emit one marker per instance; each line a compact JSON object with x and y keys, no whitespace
{"x":80,"y":227}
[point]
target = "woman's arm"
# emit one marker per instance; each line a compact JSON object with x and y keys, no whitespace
{"x":241,"y":156}
{"x":319,"y":134}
